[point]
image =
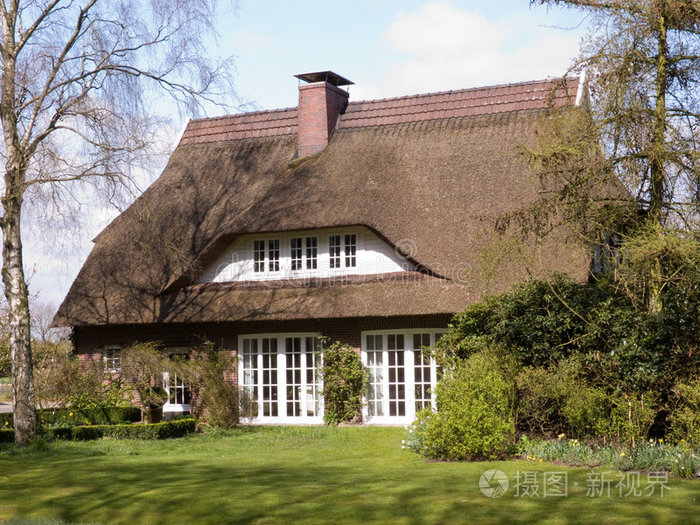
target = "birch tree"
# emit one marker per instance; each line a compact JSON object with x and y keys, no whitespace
{"x":642,"y":59}
{"x":78,"y":78}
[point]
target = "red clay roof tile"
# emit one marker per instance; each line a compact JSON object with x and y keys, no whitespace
{"x":416,"y":108}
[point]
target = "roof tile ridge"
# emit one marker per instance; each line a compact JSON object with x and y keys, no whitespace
{"x":466,"y":90}
{"x":245,"y":114}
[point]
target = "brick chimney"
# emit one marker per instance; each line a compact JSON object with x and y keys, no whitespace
{"x":321,"y":102}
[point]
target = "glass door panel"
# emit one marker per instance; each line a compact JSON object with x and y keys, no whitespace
{"x":396,"y":374}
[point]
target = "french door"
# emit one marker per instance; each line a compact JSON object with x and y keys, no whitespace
{"x":281,"y":374}
{"x":179,"y":394}
{"x":402,"y":375}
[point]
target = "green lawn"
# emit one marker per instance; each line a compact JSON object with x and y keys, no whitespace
{"x":298,"y":475}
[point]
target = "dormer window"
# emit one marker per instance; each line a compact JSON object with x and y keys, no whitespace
{"x":266,"y":261}
{"x":259,"y":256}
{"x":327,"y":253}
{"x":273,"y":255}
{"x":296,"y":253}
{"x":334,"y":250}
{"x":311,"y":253}
{"x":350,"y":250}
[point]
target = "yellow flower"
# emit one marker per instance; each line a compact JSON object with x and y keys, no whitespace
{"x":561,"y":436}
{"x":661,"y":440}
{"x":541,"y":460}
{"x":622,"y":454}
{"x":70,"y":414}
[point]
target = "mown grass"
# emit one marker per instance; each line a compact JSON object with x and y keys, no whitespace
{"x":295,"y":475}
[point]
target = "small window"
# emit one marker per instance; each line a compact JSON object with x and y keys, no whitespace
{"x":311,"y":253}
{"x":259,"y":256}
{"x":273,"y":254}
{"x":296,"y":253}
{"x":334,"y":249}
{"x":350,"y":251}
{"x":111,"y":357}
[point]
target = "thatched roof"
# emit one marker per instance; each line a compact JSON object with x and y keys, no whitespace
{"x":436,"y":169}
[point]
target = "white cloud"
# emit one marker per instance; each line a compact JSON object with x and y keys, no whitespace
{"x":451,"y":48}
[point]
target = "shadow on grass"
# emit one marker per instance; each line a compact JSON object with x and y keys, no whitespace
{"x":217,"y":483}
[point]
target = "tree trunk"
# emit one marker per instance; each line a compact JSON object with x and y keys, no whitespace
{"x":16,"y":293}
{"x":657,"y":161}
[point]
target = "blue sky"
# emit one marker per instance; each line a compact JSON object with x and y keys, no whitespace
{"x":387,"y":47}
{"x":394,"y":48}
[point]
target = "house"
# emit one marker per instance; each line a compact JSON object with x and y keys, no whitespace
{"x":364,"y":222}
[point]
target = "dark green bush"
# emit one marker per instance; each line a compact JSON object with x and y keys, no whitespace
{"x":621,"y":346}
{"x":7,"y":435}
{"x":59,"y":433}
{"x":475,"y":415}
{"x":69,"y":417}
{"x":685,"y":417}
{"x":559,"y":401}
{"x":344,"y":382}
{"x":164,"y":430}
{"x":87,"y":432}
{"x":90,"y":416}
{"x":218,"y":400}
{"x":6,"y":420}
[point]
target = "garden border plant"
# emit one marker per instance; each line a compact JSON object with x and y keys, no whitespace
{"x":345,"y":380}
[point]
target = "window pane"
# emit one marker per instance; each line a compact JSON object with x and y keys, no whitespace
{"x":311,"y":253}
{"x":296,"y":253}
{"x":273,"y":255}
{"x":350,"y":251}
{"x":334,"y":250}
{"x":259,"y":256}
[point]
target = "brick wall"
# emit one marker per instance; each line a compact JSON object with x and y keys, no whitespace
{"x":91,"y":339}
{"x":317,"y":114}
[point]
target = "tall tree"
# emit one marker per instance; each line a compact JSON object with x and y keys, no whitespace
{"x":76,"y":79}
{"x":642,"y":58}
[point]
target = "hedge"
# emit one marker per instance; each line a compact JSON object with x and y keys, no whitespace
{"x":88,"y":416}
{"x":164,"y":430}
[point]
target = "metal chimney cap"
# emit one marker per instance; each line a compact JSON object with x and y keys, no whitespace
{"x":325,"y":76}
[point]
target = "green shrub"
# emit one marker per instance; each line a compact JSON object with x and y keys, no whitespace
{"x":475,"y":411}
{"x":7,"y":435}
{"x":416,"y":432}
{"x":684,"y":422}
{"x":632,"y":416}
{"x":89,"y":416}
{"x":70,"y":417}
{"x":7,"y":420}
{"x":164,"y":430}
{"x":59,"y":433}
{"x":648,"y":455}
{"x":344,"y":382}
{"x":218,"y":400}
{"x":87,"y":432}
{"x":559,"y":401}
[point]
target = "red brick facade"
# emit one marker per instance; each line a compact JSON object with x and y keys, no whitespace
{"x":319,"y":106}
{"x":91,"y":339}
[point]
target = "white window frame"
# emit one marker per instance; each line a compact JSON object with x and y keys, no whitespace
{"x":283,"y":250}
{"x":281,"y":371}
{"x":409,"y":373}
{"x":175,"y":407}
{"x":112,"y":359}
